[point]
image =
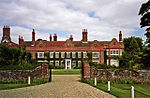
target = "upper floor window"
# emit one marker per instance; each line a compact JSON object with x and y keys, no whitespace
{"x":107,"y":51}
{"x":84,"y":54}
{"x":95,"y":54}
{"x":73,"y":54}
{"x":114,"y":52}
{"x":56,"y":54}
{"x":79,"y":54}
{"x":40,"y":54}
{"x":120,"y":51}
{"x":68,"y":54}
{"x":51,"y":54}
{"x":62,"y":54}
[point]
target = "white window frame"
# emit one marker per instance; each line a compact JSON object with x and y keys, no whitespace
{"x":56,"y":54}
{"x":107,"y":52}
{"x":51,"y":54}
{"x":114,"y":51}
{"x":79,"y":54}
{"x":95,"y":61}
{"x":120,"y":51}
{"x":57,"y":62}
{"x":80,"y":63}
{"x":39,"y":54}
{"x":93,"y":56}
{"x":68,"y":54}
{"x":51,"y":62}
{"x":84,"y":54}
{"x":74,"y":63}
{"x":73,"y":54}
{"x":62,"y":54}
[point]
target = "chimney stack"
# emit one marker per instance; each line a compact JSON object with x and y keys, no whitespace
{"x":84,"y":35}
{"x":71,"y":38}
{"x":6,"y":34}
{"x":33,"y":35}
{"x":55,"y":37}
{"x":50,"y":37}
{"x":120,"y":36}
{"x":20,"y":39}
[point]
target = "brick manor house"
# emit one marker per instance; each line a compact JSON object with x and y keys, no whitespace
{"x":68,"y":53}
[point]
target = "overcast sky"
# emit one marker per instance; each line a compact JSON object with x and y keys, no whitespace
{"x":103,"y":18}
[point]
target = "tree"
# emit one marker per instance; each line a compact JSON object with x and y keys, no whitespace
{"x":145,"y":19}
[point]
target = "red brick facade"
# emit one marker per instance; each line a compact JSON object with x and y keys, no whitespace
{"x":37,"y":48}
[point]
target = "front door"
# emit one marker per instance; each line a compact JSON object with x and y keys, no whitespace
{"x":68,"y":64}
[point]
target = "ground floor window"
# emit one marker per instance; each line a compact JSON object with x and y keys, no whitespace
{"x":79,"y":63}
{"x":114,"y":62}
{"x":56,"y":63}
{"x":96,"y":61}
{"x":73,"y":63}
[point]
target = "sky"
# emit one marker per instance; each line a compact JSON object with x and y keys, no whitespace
{"x":102,"y":18}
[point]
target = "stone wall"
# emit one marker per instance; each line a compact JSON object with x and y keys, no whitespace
{"x":39,"y":72}
{"x":139,"y":75}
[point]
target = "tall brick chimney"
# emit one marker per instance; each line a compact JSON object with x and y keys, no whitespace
{"x":6,"y":34}
{"x":55,"y":37}
{"x":33,"y":35}
{"x":21,"y":40}
{"x":50,"y":37}
{"x":84,"y":35}
{"x":71,"y":38}
{"x":120,"y":36}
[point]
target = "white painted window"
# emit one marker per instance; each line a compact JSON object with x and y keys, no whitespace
{"x":74,"y":63}
{"x":62,"y":62}
{"x":79,"y":63}
{"x":114,"y":51}
{"x":51,"y":62}
{"x":114,"y":62}
{"x":84,"y":54}
{"x":51,"y":54}
{"x":56,"y":54}
{"x":120,"y":51}
{"x":56,"y":63}
{"x":40,"y":54}
{"x":95,"y":54}
{"x":107,"y":61}
{"x":62,"y":54}
{"x":73,"y":54}
{"x":79,"y":54}
{"x":68,"y":54}
{"x":96,"y":61}
{"x":107,"y":51}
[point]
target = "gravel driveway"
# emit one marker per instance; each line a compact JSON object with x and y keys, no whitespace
{"x":61,"y":86}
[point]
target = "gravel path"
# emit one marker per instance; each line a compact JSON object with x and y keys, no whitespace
{"x":61,"y":86}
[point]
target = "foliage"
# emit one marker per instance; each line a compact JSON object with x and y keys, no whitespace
{"x":13,"y":56}
{"x":77,"y":67}
{"x":132,"y":55}
{"x":63,"y":72}
{"x":145,"y":19}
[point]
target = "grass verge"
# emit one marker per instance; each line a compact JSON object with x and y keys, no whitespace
{"x":124,"y":90}
{"x":66,"y":72}
{"x":15,"y":84}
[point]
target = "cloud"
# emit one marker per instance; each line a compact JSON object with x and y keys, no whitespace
{"x":67,"y":17}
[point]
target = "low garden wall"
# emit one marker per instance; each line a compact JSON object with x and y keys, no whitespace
{"x":40,"y":72}
{"x":140,"y":75}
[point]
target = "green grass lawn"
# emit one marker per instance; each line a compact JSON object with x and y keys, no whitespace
{"x":12,"y":86}
{"x":124,"y":90}
{"x":66,"y":72}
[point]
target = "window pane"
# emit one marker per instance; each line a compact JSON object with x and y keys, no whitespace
{"x":56,"y":54}
{"x":79,"y":54}
{"x":73,"y":54}
{"x":68,"y":54}
{"x":51,"y":54}
{"x":62,"y":54}
{"x":84,"y":54}
{"x":40,"y":54}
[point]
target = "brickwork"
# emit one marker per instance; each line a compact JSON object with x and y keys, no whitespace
{"x":42,"y":71}
{"x":86,"y":72}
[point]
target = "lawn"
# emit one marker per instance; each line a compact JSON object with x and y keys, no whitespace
{"x":17,"y":84}
{"x":124,"y":90}
{"x":66,"y":72}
